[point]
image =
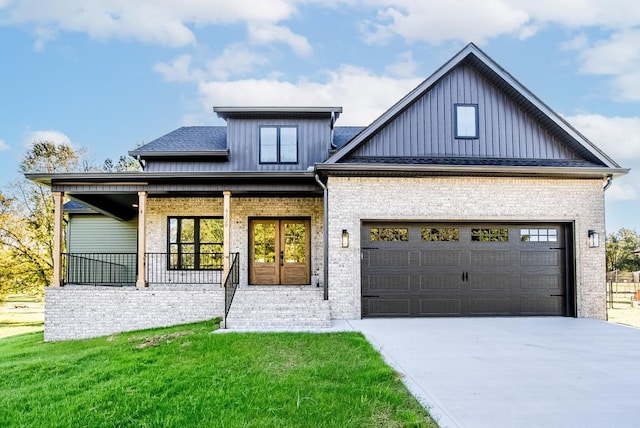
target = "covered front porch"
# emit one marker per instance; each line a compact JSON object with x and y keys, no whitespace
{"x":205,"y":242}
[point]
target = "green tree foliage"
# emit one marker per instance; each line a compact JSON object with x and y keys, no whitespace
{"x":26,"y":220}
{"x":620,"y":247}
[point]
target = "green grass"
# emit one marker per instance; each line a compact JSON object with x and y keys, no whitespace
{"x":187,"y":377}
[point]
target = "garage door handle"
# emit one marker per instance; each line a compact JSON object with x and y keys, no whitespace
{"x":369,"y":295}
{"x":556,"y":295}
{"x":369,"y":248}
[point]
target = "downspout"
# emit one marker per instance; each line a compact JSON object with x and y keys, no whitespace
{"x":608,"y":183}
{"x":325,"y":243}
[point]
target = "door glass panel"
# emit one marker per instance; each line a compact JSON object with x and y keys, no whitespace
{"x":264,"y":243}
{"x":294,"y":243}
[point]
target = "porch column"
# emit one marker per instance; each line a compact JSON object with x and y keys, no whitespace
{"x":58,"y":198}
{"x":226,"y":215}
{"x":141,"y":280}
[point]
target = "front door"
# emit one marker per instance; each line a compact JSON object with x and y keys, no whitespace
{"x":279,"y":252}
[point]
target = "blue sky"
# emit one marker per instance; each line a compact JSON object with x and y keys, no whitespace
{"x":110,"y":75}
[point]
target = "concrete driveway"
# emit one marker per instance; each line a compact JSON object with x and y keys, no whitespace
{"x":515,"y":372}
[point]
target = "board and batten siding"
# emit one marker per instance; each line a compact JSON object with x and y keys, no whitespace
{"x":426,"y":128}
{"x":243,"y":137}
{"x":95,"y":233}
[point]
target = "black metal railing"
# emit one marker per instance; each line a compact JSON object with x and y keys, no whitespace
{"x":99,"y":268}
{"x":231,"y":284}
{"x":203,"y":268}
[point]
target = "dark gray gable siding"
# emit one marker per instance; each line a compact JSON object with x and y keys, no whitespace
{"x":243,"y":143}
{"x":426,"y":127}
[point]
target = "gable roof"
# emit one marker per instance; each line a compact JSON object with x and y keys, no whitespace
{"x":472,"y":56}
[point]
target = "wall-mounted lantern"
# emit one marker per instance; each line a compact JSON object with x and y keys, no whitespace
{"x":594,"y":239}
{"x":345,"y":238}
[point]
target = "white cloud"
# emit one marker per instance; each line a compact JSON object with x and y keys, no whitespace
{"x":267,"y":33}
{"x":405,"y":67}
{"x":164,"y":22}
{"x":3,"y":146}
{"x":619,"y":58}
{"x":363,"y":94}
{"x":442,"y":20}
{"x":177,"y":70}
{"x":235,"y":60}
{"x":55,"y":137}
{"x":619,"y":137}
{"x":623,"y":189}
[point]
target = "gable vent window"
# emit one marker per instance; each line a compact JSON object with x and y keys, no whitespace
{"x":278,"y":144}
{"x":466,"y":120}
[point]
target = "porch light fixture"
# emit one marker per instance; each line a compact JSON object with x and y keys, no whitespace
{"x":345,"y":238}
{"x":594,"y":239}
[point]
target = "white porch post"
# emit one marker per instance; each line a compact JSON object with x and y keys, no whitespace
{"x":56,"y":280}
{"x":226,"y":215}
{"x":141,"y":280}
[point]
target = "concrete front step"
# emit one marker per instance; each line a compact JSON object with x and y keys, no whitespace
{"x":266,"y":308}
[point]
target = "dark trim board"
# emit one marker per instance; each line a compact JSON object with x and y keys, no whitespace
{"x":426,"y":269}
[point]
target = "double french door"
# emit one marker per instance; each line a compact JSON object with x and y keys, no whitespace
{"x":279,"y":251}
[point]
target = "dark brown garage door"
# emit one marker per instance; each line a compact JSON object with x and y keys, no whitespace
{"x":424,"y":269}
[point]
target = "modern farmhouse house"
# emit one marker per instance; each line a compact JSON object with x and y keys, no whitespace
{"x":468,"y":197}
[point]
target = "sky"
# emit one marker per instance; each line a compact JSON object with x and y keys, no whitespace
{"x":109,"y":75}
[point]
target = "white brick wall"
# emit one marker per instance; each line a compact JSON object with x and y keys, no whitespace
{"x":78,"y":312}
{"x":75,"y":312}
{"x":356,"y":199}
{"x":241,"y":210}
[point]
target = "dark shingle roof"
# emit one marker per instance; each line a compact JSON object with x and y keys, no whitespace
{"x":464,"y":161}
{"x":343,"y":134}
{"x":188,"y":139}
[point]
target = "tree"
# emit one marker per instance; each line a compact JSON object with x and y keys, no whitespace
{"x":620,"y":247}
{"x":124,"y":164}
{"x":26,"y":220}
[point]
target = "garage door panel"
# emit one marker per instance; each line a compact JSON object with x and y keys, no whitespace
{"x":539,"y":282}
{"x":490,"y":282}
{"x":440,"y":307}
{"x":390,"y":282}
{"x":440,"y":282}
{"x":541,"y":306}
{"x":440,"y":258}
{"x":491,"y":258}
{"x":490,"y":306}
{"x":539,"y":258}
{"x":449,"y":270}
{"x":389,"y":306}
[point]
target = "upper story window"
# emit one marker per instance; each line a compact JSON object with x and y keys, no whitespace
{"x":278,"y":144}
{"x":466,"y":120}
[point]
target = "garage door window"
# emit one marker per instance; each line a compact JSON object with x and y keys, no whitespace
{"x":539,"y":235}
{"x":442,"y":234}
{"x":490,"y":234}
{"x":389,"y":234}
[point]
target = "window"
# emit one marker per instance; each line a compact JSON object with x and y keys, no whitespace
{"x":539,"y":235}
{"x":490,"y":235}
{"x":451,"y":234}
{"x":389,"y":234}
{"x":466,"y":120}
{"x":278,"y":144}
{"x":195,"y":243}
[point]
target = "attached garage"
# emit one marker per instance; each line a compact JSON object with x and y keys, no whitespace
{"x":466,"y":269}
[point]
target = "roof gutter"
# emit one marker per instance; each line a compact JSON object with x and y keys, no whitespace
{"x":355,"y":168}
{"x":325,"y":242}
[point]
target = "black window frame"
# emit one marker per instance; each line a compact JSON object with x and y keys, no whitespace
{"x":196,"y":244}
{"x":476,"y":135}
{"x":278,"y":151}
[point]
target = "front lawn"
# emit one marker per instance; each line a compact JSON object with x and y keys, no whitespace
{"x":185,"y":376}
